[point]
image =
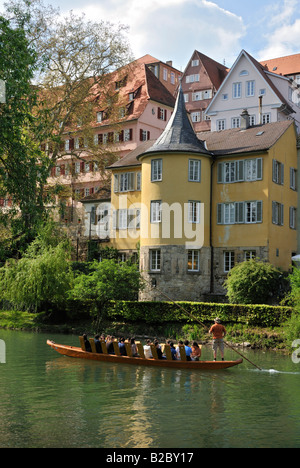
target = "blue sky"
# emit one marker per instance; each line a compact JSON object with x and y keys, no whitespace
{"x":173,"y":29}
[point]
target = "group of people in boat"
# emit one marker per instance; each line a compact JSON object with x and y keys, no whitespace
{"x":192,"y":353}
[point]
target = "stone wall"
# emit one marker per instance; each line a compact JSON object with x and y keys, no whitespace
{"x":174,"y":280}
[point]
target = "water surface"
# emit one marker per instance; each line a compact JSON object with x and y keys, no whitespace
{"x":48,"y":400}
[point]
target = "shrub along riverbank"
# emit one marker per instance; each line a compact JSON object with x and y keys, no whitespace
{"x":258,"y":326}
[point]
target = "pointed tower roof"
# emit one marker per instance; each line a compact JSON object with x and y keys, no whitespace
{"x":179,"y":135}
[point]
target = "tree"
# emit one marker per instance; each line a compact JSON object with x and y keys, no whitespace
{"x":253,"y":282}
{"x":107,"y":281}
{"x":55,"y":69}
{"x":76,"y":58}
{"x":41,"y":279}
{"x":22,"y":170}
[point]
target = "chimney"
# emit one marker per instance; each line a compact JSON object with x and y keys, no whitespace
{"x":170,"y":63}
{"x":245,"y":120}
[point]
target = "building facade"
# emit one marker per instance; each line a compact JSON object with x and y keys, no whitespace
{"x":143,"y":106}
{"x":267,"y":96}
{"x":200,"y":82}
{"x":196,"y":207}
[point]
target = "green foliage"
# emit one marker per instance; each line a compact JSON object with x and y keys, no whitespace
{"x":253,"y":282}
{"x":33,"y":283}
{"x":107,"y":280}
{"x":22,"y":169}
{"x":161,"y":312}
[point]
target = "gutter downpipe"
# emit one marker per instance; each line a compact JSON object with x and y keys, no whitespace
{"x":210,"y":228}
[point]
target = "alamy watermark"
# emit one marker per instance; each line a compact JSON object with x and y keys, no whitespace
{"x":296,"y":354}
{"x":2,"y":352}
{"x":160,"y":220}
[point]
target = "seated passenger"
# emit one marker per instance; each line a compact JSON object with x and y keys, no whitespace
{"x":134,"y":350}
{"x":178,"y":357}
{"x":173,"y":351}
{"x":196,"y":352}
{"x":122,"y":347}
{"x":87,"y":343}
{"x":109,"y":344}
{"x":147,"y":350}
{"x":158,"y":350}
{"x":98,"y":344}
{"x":188,"y":350}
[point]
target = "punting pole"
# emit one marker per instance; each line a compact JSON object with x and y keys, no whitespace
{"x":197,"y":320}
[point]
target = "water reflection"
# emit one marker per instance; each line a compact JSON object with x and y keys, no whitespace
{"x":47,"y":400}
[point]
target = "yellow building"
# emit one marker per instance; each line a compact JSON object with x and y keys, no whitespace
{"x":194,"y":208}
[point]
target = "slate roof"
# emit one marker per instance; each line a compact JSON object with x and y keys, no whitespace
{"x":237,"y":141}
{"x":179,"y":135}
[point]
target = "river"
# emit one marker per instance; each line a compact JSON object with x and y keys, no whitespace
{"x":49,"y":401}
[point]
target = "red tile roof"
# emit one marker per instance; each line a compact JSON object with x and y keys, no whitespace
{"x":288,"y":65}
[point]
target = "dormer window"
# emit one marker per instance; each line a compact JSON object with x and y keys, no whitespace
{"x":100,"y":116}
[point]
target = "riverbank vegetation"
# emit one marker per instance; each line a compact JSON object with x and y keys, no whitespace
{"x":45,"y":290}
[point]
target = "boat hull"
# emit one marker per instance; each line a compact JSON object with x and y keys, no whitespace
{"x":76,"y":352}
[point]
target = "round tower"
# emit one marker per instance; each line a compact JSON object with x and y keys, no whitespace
{"x":175,"y":212}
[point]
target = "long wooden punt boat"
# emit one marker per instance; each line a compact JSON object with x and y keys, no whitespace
{"x":76,"y":352}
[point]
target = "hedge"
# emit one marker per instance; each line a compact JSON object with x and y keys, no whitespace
{"x":159,"y":312}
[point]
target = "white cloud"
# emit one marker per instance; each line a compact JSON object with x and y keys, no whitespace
{"x":173,"y":29}
{"x":283,"y":36}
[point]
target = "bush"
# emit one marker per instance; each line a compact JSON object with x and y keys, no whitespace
{"x":37,"y":283}
{"x":253,"y":282}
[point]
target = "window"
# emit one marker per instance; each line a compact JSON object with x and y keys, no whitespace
{"x":195,"y":63}
{"x":244,"y":73}
{"x":235,"y":122}
{"x":237,"y":90}
{"x":194,"y":212}
{"x":193,"y":260}
{"x":155,"y":211}
{"x":155,"y":260}
{"x":244,"y":212}
{"x":247,"y":170}
{"x":144,"y":135}
{"x":250,"y":88}
{"x":249,"y":254}
{"x":172,"y":78}
{"x":266,"y":118}
{"x":138,"y":180}
{"x":124,"y":182}
{"x":162,"y":114}
{"x":196,"y":116}
{"x":293,"y":173}
{"x":228,"y":261}
{"x":127,"y":136}
{"x":224,"y":97}
{"x":277,"y":172}
{"x":197,"y":96}
{"x":165,"y":74}
{"x":99,"y":116}
{"x":262,"y":92}
{"x":192,"y":78}
{"x":221,"y":125}
{"x":277,"y":213}
{"x":156,"y":170}
{"x":186,"y":98}
{"x":293,"y":218}
{"x":194,"y":170}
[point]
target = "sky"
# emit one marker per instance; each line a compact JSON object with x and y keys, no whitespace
{"x":173,"y":29}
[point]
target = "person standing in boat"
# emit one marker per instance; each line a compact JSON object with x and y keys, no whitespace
{"x":218,"y":332}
